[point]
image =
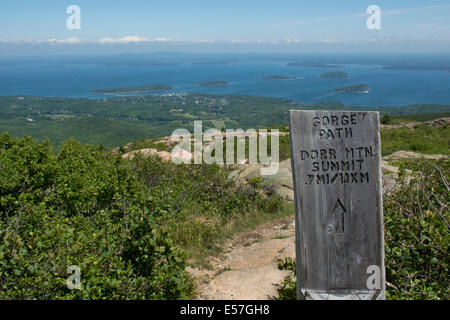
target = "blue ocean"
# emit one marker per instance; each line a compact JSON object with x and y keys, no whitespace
{"x":398,"y":84}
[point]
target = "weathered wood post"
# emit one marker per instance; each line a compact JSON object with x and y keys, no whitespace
{"x":336,"y":164}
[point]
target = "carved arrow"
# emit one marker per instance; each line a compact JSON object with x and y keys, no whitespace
{"x":339,"y":210}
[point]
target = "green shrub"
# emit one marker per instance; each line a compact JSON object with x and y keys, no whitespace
{"x":417,"y":236}
{"x":197,"y":204}
{"x":287,"y":289}
{"x":130,"y":226}
{"x":80,"y":207}
{"x":386,"y":119}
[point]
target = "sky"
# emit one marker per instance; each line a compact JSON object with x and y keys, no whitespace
{"x":40,"y":27}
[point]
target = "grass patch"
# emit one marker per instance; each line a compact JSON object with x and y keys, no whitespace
{"x":144,"y":144}
{"x":199,"y":254}
{"x":422,"y":139}
{"x":418,"y":117}
{"x":280,"y":237}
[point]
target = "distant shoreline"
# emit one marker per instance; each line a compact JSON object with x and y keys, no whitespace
{"x":137,"y":89}
{"x":279,"y":78}
{"x":120,"y":92}
{"x":213,"y":84}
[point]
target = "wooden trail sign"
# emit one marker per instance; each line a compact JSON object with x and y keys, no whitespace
{"x":336,"y":165}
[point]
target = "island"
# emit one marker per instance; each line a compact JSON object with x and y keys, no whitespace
{"x":355,"y":88}
{"x":214,"y":84}
{"x":334,"y":75}
{"x":137,"y":89}
{"x":313,"y":65}
{"x":279,"y":77}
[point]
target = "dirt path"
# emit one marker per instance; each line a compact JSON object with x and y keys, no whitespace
{"x":248,"y":269}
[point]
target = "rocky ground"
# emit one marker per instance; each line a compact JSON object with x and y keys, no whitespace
{"x":433,"y":123}
{"x":248,"y":268}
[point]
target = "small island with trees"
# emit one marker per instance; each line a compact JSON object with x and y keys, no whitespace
{"x":214,"y":84}
{"x":279,"y":77}
{"x":334,"y":75}
{"x":354,"y":88}
{"x":137,"y":89}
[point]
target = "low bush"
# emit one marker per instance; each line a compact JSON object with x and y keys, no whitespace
{"x":80,"y":207}
{"x":417,"y":234}
{"x":422,"y":139}
{"x":130,"y":226}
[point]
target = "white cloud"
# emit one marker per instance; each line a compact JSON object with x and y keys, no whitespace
{"x":331,"y":41}
{"x":292,"y":40}
{"x":163,"y":40}
{"x":144,"y":40}
{"x":198,"y":41}
{"x":72,"y":40}
{"x":124,"y":40}
{"x":262,"y":41}
{"x":137,"y":39}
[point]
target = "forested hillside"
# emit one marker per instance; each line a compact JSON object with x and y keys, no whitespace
{"x":115,"y":121}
